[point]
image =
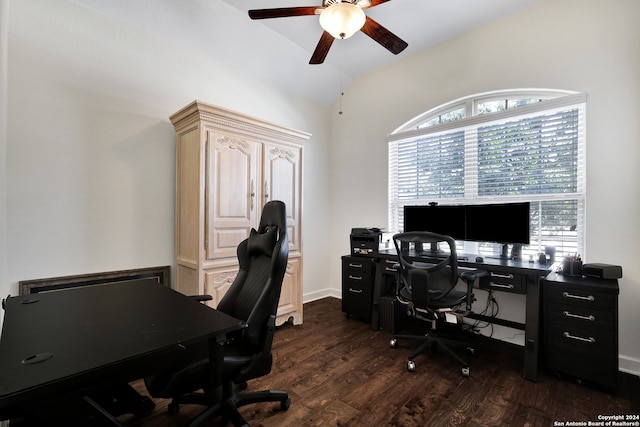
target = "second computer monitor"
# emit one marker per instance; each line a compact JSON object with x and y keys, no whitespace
{"x":505,"y":223}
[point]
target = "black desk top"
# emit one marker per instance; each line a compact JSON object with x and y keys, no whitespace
{"x":602,"y":285}
{"x":94,"y":334}
{"x":493,"y":264}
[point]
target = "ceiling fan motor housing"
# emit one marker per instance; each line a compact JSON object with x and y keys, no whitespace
{"x":342,"y":19}
{"x":359,"y":3}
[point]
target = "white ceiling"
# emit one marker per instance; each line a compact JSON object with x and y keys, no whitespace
{"x":277,"y":51}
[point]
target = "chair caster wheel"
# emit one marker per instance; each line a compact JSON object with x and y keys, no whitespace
{"x":393,"y":343}
{"x":144,"y":407}
{"x":411,"y":366}
{"x":466,"y":372}
{"x":471,"y":350}
{"x":285,"y":404}
{"x":172,"y":408}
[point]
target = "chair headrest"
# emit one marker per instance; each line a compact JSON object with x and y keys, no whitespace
{"x":274,"y":212}
{"x":262,"y":243}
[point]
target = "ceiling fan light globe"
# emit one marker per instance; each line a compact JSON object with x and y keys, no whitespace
{"x":342,"y":20}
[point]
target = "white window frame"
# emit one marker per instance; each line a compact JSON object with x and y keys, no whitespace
{"x":551,"y":100}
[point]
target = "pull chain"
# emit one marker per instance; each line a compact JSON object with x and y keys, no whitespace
{"x":340,"y":72}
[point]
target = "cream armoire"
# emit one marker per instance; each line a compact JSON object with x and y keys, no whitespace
{"x":228,"y":165}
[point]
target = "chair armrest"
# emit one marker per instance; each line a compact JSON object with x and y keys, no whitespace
{"x":469,"y":277}
{"x":472,"y":275}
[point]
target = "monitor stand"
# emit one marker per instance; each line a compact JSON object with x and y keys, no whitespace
{"x":432,"y":250}
{"x":516,"y":252}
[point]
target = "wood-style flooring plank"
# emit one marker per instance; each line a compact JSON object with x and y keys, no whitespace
{"x":339,"y":372}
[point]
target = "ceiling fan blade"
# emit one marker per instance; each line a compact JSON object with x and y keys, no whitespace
{"x":386,"y":38}
{"x":375,"y":3}
{"x":326,"y":40}
{"x":284,"y":12}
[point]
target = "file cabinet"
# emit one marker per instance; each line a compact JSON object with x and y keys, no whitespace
{"x":581,"y":327}
{"x":357,"y":286}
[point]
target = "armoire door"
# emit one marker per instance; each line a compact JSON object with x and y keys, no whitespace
{"x":234,"y":192}
{"x":282,"y":182}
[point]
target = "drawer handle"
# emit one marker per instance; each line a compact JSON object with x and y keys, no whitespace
{"x":355,"y":265}
{"x":590,"y":317}
{"x":500,"y":285}
{"x":573,"y":337}
{"x":587,"y":298}
{"x":502,"y":276}
{"x":390,"y":270}
{"x":355,"y":291}
{"x":355,"y":277}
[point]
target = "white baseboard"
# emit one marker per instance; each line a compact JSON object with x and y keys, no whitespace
{"x":328,"y":292}
{"x":629,"y":365}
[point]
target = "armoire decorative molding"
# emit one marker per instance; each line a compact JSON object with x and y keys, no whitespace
{"x":228,"y":165}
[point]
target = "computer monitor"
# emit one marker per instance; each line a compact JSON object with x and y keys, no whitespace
{"x":506,"y":223}
{"x":503,"y":223}
{"x":441,"y":219}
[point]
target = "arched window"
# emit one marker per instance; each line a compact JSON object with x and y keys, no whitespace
{"x":508,"y":146}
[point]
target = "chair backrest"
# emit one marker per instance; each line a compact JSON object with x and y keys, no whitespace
{"x":255,"y":292}
{"x":427,"y":282}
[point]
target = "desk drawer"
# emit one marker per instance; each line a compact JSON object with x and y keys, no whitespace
{"x":359,"y":270}
{"x":584,"y":353}
{"x":387,"y":266}
{"x":583,"y":362}
{"x":575,"y":295}
{"x":506,"y":282}
{"x":566,"y":337}
{"x":578,"y":316}
{"x":357,"y":289}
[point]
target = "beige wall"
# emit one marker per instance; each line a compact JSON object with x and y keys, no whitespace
{"x":90,"y":174}
{"x":586,"y":46}
{"x":4,"y":53}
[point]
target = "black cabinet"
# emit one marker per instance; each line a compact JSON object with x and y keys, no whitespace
{"x":581,"y":327}
{"x":357,"y":286}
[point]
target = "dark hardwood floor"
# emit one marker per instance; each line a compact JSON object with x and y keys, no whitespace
{"x":339,"y":372}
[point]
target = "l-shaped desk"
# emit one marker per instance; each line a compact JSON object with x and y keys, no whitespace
{"x":370,"y":272}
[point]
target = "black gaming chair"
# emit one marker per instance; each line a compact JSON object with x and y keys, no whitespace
{"x":428,"y":291}
{"x":253,"y":297}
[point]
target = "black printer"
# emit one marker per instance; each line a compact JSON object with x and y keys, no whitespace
{"x":365,"y":240}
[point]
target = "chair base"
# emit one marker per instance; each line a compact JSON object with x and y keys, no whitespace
{"x":227,"y":408}
{"x":429,"y":341}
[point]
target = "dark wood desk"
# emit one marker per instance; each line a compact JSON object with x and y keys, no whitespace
{"x":515,"y":276}
{"x":71,"y":342}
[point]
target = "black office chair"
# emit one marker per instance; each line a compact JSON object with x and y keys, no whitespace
{"x":428,"y":289}
{"x":253,"y":297}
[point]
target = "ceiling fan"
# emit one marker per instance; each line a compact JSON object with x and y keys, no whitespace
{"x":339,"y":19}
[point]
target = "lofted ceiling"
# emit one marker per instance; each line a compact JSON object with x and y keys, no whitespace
{"x":277,"y":51}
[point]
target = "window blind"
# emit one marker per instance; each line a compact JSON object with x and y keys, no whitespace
{"x":532,"y":153}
